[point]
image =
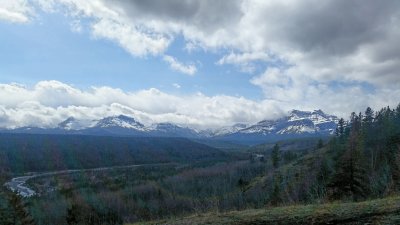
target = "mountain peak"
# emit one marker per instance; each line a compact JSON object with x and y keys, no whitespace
{"x":67,"y":124}
{"x":120,"y":121}
{"x":71,"y":123}
{"x":229,"y":129}
{"x":319,"y":111}
{"x":298,"y":122}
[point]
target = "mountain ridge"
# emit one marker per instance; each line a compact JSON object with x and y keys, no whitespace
{"x":296,"y":124}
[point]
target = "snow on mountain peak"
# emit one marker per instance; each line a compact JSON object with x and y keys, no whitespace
{"x":67,"y":124}
{"x":229,"y":129}
{"x":297,"y":122}
{"x":73,"y":124}
{"x":120,"y":121}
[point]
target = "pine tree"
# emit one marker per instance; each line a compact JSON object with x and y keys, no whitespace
{"x":242,"y":184}
{"x":369,"y":116}
{"x":341,"y":127}
{"x":275,"y":156}
{"x":72,"y":215}
{"x":6,"y":213}
{"x":320,"y":144}
{"x":276,"y":198}
{"x":21,"y":215}
{"x":397,"y":121}
{"x":350,"y":179}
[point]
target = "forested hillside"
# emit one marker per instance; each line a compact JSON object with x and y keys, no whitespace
{"x":34,"y":153}
{"x":361,"y":162}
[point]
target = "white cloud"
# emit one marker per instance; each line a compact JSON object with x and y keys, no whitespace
{"x":76,"y":26}
{"x":134,"y":41}
{"x":189,"y":69}
{"x":15,"y":11}
{"x":324,"y":42}
{"x":49,"y":102}
{"x":354,"y":43}
{"x":339,"y":98}
{"x":244,"y":60}
{"x":339,"y":39}
{"x":176,"y":85}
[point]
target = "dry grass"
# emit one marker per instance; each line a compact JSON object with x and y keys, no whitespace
{"x":382,"y":211}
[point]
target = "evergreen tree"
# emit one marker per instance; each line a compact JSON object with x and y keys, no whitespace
{"x":369,"y":116}
{"x":350,"y":179}
{"x":72,"y":215}
{"x":320,"y":144}
{"x":275,"y":156}
{"x":276,"y":198}
{"x":6,"y":213}
{"x":341,"y":127}
{"x":20,"y":214}
{"x":242,"y":184}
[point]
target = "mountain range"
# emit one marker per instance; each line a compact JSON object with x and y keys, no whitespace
{"x":296,"y":124}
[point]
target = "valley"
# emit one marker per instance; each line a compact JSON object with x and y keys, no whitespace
{"x":100,"y":179}
{"x":18,"y":184}
{"x":192,"y":112}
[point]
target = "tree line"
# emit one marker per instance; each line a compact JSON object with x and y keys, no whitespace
{"x":361,"y":161}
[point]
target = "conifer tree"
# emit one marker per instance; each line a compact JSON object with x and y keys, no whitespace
{"x":275,"y":156}
{"x":341,"y":127}
{"x":275,"y":198}
{"x":350,"y":179}
{"x":320,"y":144}
{"x":21,"y":215}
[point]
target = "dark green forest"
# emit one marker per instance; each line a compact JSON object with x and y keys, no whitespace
{"x":360,"y":162}
{"x":21,"y":153}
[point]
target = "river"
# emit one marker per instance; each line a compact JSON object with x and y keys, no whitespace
{"x":18,"y":184}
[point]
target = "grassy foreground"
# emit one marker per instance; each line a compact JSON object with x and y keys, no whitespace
{"x":382,"y":211}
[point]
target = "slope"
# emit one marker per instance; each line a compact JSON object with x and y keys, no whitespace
{"x":382,"y":211}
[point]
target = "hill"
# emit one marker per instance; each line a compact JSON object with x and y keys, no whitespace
{"x":382,"y":211}
{"x":36,"y":152}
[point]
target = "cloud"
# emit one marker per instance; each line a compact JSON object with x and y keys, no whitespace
{"x":16,"y":11}
{"x":336,"y":39}
{"x":76,"y":26}
{"x":180,"y":67}
{"x":314,"y":54}
{"x":135,"y":42}
{"x":176,"y":85}
{"x":244,"y":60}
{"x":50,"y":102}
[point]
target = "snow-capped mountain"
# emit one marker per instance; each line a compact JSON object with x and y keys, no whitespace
{"x":67,"y":124}
{"x":71,"y":124}
{"x":296,"y":124}
{"x":126,"y":126}
{"x":229,"y":129}
{"x":170,"y":129}
{"x":120,"y":121}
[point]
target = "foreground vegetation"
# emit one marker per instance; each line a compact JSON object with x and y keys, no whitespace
{"x":383,"y":211}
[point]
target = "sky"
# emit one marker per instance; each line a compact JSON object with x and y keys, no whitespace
{"x":199,"y":63}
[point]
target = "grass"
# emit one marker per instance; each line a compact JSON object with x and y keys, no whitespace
{"x":381,"y":211}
